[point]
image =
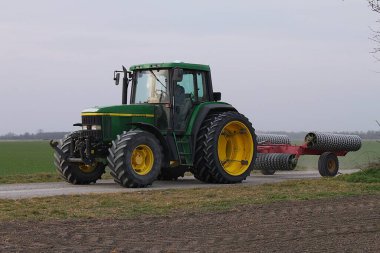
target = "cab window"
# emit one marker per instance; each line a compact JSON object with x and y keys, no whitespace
{"x":201,"y":85}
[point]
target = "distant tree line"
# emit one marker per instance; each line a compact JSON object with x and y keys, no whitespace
{"x":369,"y":135}
{"x":33,"y":136}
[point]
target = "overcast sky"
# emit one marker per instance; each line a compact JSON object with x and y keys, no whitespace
{"x":287,"y":65}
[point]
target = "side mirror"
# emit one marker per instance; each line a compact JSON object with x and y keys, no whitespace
{"x":217,"y":96}
{"x":117,"y":78}
{"x":177,"y":75}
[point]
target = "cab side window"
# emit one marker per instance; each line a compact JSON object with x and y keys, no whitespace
{"x":184,"y":97}
{"x":201,"y":85}
{"x":188,"y":84}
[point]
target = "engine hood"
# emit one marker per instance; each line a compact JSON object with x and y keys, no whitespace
{"x":143,"y":110}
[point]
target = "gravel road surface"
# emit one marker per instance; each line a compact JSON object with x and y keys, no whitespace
{"x":20,"y":191}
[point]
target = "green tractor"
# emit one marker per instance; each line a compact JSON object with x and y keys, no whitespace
{"x":174,"y":123}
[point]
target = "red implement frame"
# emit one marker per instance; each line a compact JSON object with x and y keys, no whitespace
{"x":266,"y":148}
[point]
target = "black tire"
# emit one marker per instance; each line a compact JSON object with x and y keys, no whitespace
{"x":218,"y":172}
{"x":171,"y":174}
{"x":328,"y":164}
{"x":120,"y":159}
{"x":200,"y":170}
{"x":72,"y":172}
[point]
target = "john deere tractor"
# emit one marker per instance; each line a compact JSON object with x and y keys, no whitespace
{"x":173,"y":123}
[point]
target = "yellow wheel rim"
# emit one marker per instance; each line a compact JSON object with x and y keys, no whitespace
{"x":235,"y":148}
{"x":142,"y":159}
{"x":87,"y":168}
{"x":331,"y":166}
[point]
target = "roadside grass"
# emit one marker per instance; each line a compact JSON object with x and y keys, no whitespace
{"x":38,"y":178}
{"x":30,"y":178}
{"x":370,"y":175}
{"x":168,"y":202}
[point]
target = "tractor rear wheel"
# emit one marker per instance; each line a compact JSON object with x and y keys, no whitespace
{"x":230,"y":148}
{"x":200,"y":170}
{"x":328,"y":164}
{"x":76,"y":173}
{"x":135,"y":159}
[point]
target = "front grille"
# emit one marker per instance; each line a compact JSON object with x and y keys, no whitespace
{"x":97,"y":134}
{"x":91,"y":120}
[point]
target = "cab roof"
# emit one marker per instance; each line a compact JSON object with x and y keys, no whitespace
{"x":182,"y":65}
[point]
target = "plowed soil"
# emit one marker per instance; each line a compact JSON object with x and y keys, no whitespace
{"x":346,"y":224}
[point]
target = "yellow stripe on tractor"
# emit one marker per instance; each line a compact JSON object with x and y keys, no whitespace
{"x":117,"y":114}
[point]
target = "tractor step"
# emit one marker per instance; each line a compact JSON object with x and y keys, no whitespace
{"x":184,"y":150}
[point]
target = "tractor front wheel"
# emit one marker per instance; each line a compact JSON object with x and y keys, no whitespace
{"x":230,"y":148}
{"x":76,"y":173}
{"x":135,"y":159}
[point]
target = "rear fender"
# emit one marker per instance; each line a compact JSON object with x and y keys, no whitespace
{"x":202,"y":114}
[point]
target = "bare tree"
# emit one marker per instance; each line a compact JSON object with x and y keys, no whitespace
{"x":375,"y":6}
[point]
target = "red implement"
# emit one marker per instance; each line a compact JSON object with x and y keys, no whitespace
{"x":292,"y":149}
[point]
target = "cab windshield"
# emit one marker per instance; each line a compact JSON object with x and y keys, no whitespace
{"x":151,"y":86}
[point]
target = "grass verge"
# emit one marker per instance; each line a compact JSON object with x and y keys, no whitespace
{"x":129,"y":205}
{"x":370,"y":175}
{"x":30,"y":178}
{"x":37,"y":178}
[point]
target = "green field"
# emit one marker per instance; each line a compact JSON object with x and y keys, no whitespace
{"x":25,"y":157}
{"x":36,"y":157}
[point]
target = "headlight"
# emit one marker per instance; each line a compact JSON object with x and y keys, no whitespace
{"x":96,"y":127}
{"x":92,"y":127}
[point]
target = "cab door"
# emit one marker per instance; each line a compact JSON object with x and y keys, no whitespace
{"x":187,"y":93}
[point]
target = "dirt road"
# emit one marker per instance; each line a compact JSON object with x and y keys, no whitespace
{"x":346,"y":224}
{"x":19,"y":191}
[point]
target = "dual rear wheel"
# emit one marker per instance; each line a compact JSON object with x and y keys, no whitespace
{"x":226,"y":149}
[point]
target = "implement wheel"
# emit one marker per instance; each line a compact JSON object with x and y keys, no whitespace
{"x":230,"y":148}
{"x":76,"y":173}
{"x":328,"y":164}
{"x":135,"y":159}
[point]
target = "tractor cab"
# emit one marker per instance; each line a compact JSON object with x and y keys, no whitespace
{"x":174,"y":89}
